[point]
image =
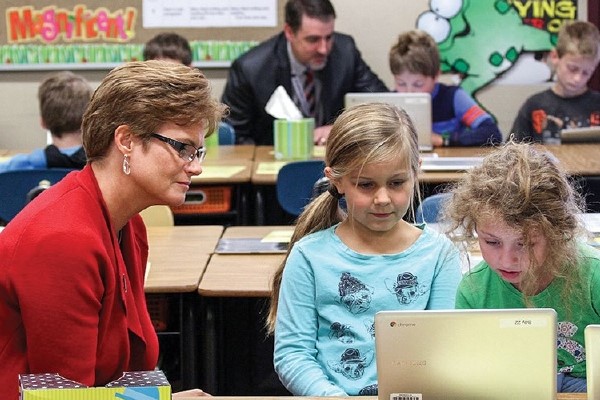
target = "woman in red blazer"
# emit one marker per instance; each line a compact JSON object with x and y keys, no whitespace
{"x":72,"y":266}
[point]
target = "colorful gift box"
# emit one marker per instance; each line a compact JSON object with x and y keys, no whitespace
{"x":146,"y":385}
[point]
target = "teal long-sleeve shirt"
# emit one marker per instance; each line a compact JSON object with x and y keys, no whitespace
{"x":324,"y":335}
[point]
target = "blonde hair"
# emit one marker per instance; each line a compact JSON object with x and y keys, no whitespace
{"x":145,"y":95}
{"x":364,"y":134}
{"x":580,"y":38}
{"x":524,"y":187}
{"x":415,"y":52}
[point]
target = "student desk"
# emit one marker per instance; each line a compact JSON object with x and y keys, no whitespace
{"x":6,"y":155}
{"x":559,"y":396}
{"x":177,"y":259}
{"x":576,"y":159}
{"x":233,"y":276}
{"x":264,"y":176}
{"x":229,"y":166}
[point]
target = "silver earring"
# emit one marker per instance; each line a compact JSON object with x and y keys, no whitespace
{"x":126,"y":168}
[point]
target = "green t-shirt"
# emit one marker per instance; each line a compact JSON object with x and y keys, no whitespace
{"x":483,"y":288}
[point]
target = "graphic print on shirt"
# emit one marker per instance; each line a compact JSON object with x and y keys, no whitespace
{"x":552,"y":124}
{"x":341,"y":332}
{"x":352,"y":363}
{"x":354,"y":295}
{"x":370,"y":390}
{"x":565,"y":331}
{"x":406,"y":288}
{"x":370,"y":326}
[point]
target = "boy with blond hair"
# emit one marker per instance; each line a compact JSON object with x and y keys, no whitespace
{"x":569,"y":103}
{"x":457,"y":118}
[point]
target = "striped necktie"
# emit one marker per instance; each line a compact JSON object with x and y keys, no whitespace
{"x":309,"y":91}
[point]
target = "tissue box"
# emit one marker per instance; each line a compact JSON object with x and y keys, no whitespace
{"x":293,"y":139}
{"x":139,"y":385}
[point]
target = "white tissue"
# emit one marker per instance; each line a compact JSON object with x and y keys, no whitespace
{"x":281,"y":106}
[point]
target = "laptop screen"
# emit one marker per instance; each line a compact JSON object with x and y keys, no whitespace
{"x":466,"y":354}
{"x":416,"y":105}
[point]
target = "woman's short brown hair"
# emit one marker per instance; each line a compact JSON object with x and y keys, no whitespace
{"x":146,"y":95}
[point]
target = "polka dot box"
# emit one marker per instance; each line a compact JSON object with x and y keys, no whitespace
{"x":140,"y":385}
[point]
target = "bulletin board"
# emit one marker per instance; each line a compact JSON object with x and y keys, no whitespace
{"x":60,"y":31}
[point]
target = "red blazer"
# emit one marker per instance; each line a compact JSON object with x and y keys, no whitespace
{"x":71,"y":299}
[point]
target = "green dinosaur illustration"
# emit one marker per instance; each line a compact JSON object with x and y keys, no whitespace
{"x":481,"y":39}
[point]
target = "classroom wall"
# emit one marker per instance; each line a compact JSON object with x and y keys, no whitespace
{"x":374,"y":25}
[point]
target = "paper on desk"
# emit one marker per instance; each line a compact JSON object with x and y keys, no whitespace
{"x":279,"y":236}
{"x":269,"y":167}
{"x":281,"y":106}
{"x":218,"y":171}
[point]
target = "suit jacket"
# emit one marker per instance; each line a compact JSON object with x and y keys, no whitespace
{"x":254,"y":76}
{"x":71,"y":300}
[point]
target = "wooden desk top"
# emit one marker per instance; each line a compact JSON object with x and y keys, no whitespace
{"x":5,"y":154}
{"x":178,"y":256}
{"x":241,"y":275}
{"x":226,"y":165}
{"x":264,"y":156}
{"x":576,"y":159}
{"x":224,"y":172}
{"x":231,"y":153}
{"x":560,"y":396}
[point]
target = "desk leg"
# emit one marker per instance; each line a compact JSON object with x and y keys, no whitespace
{"x":189,"y":344}
{"x":259,"y":206}
{"x":243,"y":205}
{"x":209,"y":347}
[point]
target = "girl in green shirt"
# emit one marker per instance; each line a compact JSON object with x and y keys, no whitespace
{"x":521,"y":209}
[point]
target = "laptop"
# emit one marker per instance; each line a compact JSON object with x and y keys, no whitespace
{"x":466,"y":354}
{"x":592,"y":355}
{"x":250,"y":246}
{"x":449,"y":163}
{"x":580,"y":135}
{"x":416,"y":105}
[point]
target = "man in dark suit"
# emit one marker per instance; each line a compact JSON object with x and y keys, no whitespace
{"x":308,"y":43}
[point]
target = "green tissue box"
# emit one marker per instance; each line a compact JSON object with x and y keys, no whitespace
{"x":293,"y":139}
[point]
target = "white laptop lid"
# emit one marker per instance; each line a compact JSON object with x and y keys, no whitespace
{"x":449,"y":163}
{"x":578,"y":135}
{"x":592,"y":357}
{"x":466,"y":354}
{"x":416,"y":105}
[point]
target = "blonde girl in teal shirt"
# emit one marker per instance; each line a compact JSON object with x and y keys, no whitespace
{"x":345,"y":265}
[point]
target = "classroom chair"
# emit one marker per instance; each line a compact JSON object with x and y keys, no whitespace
{"x":295,"y":183}
{"x":20,"y":186}
{"x":226,"y":134}
{"x":430,"y":208}
{"x":158,"y":215}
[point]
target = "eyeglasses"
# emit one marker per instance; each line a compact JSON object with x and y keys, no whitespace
{"x":184,"y":150}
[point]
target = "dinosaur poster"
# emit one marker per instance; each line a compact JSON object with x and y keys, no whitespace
{"x":482,"y":40}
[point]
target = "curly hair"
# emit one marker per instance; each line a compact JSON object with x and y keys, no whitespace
{"x":523,"y":186}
